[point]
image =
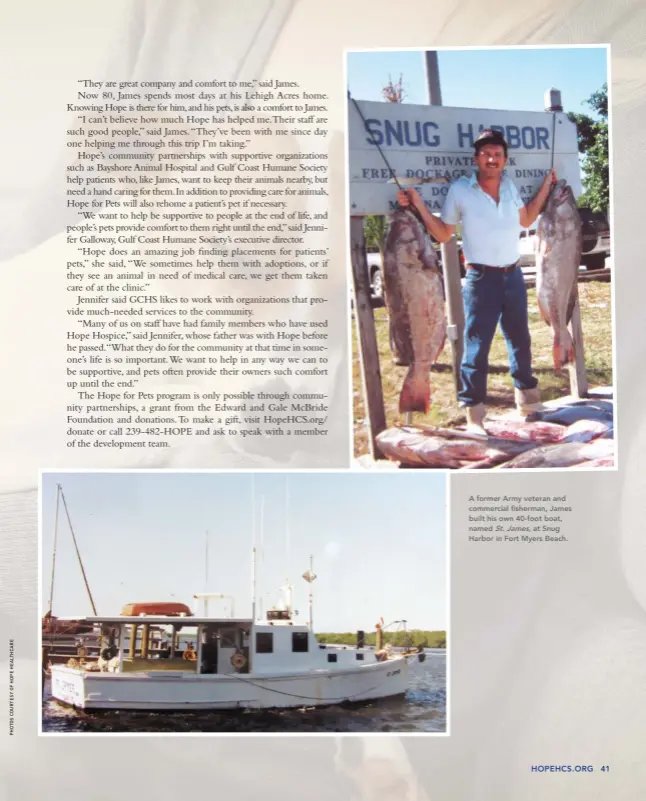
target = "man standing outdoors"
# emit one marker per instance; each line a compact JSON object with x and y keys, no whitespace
{"x":492,"y":213}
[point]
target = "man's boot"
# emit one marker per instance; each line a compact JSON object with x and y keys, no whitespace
{"x":475,"y":419}
{"x":528,"y":402}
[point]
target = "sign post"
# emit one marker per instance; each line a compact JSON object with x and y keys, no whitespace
{"x":368,"y":348}
{"x":449,"y":250}
{"x":578,"y":377}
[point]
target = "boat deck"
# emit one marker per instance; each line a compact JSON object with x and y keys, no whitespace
{"x":139,"y":665}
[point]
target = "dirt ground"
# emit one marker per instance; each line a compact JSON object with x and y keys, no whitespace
{"x":596,"y":306}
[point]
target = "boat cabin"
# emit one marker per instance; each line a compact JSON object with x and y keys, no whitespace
{"x":222,"y":646}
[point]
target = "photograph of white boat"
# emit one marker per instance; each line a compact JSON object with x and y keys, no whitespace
{"x":203,"y":659}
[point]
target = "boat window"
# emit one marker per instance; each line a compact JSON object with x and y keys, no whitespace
{"x":331,"y":657}
{"x":359,"y":657}
{"x":264,"y":643}
{"x":228,"y":638}
{"x":278,"y":614}
{"x":300,"y":642}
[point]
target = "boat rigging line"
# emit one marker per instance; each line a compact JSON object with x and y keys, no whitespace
{"x":51,"y":586}
{"x":78,"y":553}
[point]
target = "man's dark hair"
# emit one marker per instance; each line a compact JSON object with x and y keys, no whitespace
{"x":490,"y":137}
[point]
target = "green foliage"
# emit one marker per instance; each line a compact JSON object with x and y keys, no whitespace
{"x":586,"y":130}
{"x":597,"y":174}
{"x":593,"y":144}
{"x":399,"y":639}
{"x":599,"y":101}
{"x":374,"y":231}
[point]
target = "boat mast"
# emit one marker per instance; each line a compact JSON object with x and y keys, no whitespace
{"x":311,"y":598}
{"x":51,"y":588}
{"x":206,"y":572}
{"x":309,"y":577}
{"x":261,"y":552}
{"x":78,"y":554}
{"x":287,"y":519}
{"x":253,"y":584}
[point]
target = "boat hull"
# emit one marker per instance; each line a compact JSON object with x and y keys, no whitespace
{"x":176,"y":691}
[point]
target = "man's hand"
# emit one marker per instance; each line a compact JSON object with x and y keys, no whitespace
{"x":440,"y":230}
{"x":410,"y":197}
{"x":530,"y":211}
{"x":550,"y":178}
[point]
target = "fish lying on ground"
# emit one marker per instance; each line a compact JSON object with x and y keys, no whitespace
{"x":605,"y":461}
{"x":418,"y":447}
{"x":563,"y":454}
{"x":586,"y":430}
{"x":566,"y":415}
{"x":557,"y":266}
{"x":504,"y":440}
{"x":524,"y":431}
{"x":415,"y":301}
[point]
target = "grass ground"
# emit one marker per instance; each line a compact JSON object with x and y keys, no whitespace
{"x":595,"y":301}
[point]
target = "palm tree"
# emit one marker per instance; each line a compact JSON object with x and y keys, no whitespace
{"x":394,"y":92}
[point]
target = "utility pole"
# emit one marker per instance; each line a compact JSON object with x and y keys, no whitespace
{"x":449,"y":250}
{"x":433,"y":78}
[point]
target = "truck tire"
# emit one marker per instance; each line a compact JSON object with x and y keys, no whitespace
{"x":595,"y":261}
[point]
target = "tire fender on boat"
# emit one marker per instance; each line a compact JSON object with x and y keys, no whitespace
{"x":238,"y":661}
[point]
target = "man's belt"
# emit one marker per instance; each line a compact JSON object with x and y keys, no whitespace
{"x":506,"y":268}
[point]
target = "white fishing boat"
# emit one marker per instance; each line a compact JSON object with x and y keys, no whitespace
{"x":229,"y":663}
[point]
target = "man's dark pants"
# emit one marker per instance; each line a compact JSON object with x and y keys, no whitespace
{"x":491,"y":296}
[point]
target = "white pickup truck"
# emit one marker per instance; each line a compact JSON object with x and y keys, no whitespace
{"x":596,"y":241}
{"x":375,"y":273}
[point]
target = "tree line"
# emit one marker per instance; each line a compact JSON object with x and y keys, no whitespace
{"x":398,"y":639}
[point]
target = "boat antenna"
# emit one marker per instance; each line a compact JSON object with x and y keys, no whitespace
{"x":253,"y":508}
{"x":78,"y":554}
{"x":253,"y":584}
{"x":206,"y":561}
{"x":51,"y":588}
{"x":287,"y":516}
{"x":261,"y":548}
{"x":206,"y":573}
{"x":309,"y":577}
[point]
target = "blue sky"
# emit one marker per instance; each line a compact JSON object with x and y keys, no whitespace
{"x":378,"y":542}
{"x":496,"y":78}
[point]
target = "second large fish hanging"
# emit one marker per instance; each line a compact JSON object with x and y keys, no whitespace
{"x":415,"y":302}
{"x":557,"y":267}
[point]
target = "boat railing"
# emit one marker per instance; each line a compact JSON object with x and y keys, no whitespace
{"x":141,"y":664}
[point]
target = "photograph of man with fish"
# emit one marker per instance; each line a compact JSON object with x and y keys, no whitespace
{"x":483,"y":226}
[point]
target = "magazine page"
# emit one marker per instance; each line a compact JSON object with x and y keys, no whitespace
{"x":284,"y":288}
